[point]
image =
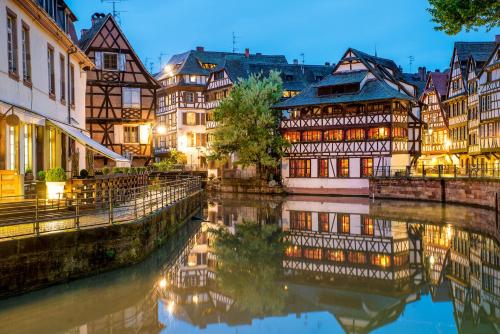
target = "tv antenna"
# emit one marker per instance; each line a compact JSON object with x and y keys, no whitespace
{"x":160,"y":59}
{"x":116,"y":13}
{"x":411,"y":59}
{"x":149,"y":64}
{"x":234,"y":42}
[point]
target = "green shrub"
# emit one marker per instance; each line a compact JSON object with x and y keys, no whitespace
{"x":126,"y":170}
{"x":28,"y":171}
{"x":133,"y":170}
{"x":55,"y":175}
{"x":106,"y":170}
{"x":117,"y":170}
{"x":40,"y":176}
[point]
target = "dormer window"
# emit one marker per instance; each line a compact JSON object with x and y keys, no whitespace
{"x":338,"y":89}
{"x":219,"y":75}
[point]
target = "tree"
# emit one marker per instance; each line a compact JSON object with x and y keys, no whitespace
{"x":248,"y":126}
{"x":250,"y":267}
{"x":453,"y":15}
{"x":174,"y":158}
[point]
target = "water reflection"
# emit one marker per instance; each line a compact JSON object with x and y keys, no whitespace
{"x":295,"y":264}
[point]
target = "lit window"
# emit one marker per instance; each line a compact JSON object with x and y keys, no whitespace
{"x":357,"y":257}
{"x":344,"y":221}
{"x":28,"y":154}
{"x":301,"y":220}
{"x":292,"y":136}
{"x":378,"y":133}
{"x":323,"y":222}
{"x":381,"y":260}
{"x":333,"y":135}
{"x":355,"y":134}
{"x":343,"y":167}
{"x":366,"y":167}
{"x":323,"y":167}
{"x":131,"y":134}
{"x":367,"y":226}
{"x":300,"y":168}
{"x":311,"y":136}
{"x":335,"y":255}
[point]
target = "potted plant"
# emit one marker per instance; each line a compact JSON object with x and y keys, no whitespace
{"x":28,"y":175}
{"x":55,"y":179}
{"x":84,"y":174}
{"x":106,"y":170}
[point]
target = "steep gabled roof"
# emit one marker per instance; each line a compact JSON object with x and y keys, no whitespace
{"x":342,"y":78}
{"x":480,"y":51}
{"x":372,"y":90}
{"x":439,"y":80}
{"x":88,"y":37}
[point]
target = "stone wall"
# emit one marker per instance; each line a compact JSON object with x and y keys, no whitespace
{"x":245,"y":186}
{"x":478,"y":192}
{"x":28,"y":264}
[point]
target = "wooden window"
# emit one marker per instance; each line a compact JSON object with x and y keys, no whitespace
{"x":300,"y":168}
{"x":367,"y":226}
{"x":292,"y":136}
{"x":333,"y":135}
{"x":323,"y":167}
{"x":62,"y":79}
{"x":366,"y":167}
{"x":26,"y":53}
{"x":131,"y":134}
{"x":381,"y":260}
{"x":311,"y":136}
{"x":12,"y":43}
{"x":13,"y":143}
{"x":344,"y":223}
{"x":51,"y":71}
{"x":189,"y":118}
{"x":188,"y":97}
{"x":343,"y":167}
{"x":357,"y":257}
{"x":401,"y":260}
{"x":219,"y":75}
{"x":72,"y":85}
{"x":355,"y":134}
{"x":335,"y":255}
{"x":378,"y":133}
{"x":110,"y":61}
{"x":293,"y":251}
{"x":301,"y":220}
{"x":399,"y":132}
{"x":313,"y":253}
{"x":131,"y":97}
{"x":323,"y":222}
{"x":28,"y":146}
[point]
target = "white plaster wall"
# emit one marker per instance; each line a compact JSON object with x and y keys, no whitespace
{"x":37,"y":98}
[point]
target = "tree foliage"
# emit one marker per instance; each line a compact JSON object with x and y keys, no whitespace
{"x":454,"y":15}
{"x":174,"y":158}
{"x":250,"y":267}
{"x":248,"y":126}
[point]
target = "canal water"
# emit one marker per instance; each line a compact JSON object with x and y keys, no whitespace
{"x":292,"y":265}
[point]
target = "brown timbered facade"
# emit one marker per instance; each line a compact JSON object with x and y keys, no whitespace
{"x":121,"y":94}
{"x":360,"y":121}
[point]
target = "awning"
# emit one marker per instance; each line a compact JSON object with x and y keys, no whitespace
{"x":83,"y":139}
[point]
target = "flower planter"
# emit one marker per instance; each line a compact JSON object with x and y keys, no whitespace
{"x":55,"y":190}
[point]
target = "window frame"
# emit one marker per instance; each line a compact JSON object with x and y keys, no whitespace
{"x":12,"y":46}
{"x":26,"y":52}
{"x":51,"y":71}
{"x":321,"y":170}
{"x":129,"y":91}
{"x":295,"y":170}
{"x":342,"y":169}
{"x":127,"y":134}
{"x":62,"y":78}
{"x":104,"y":68}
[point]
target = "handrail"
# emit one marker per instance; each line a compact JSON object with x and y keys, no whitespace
{"x":87,"y":208}
{"x":435,"y":171}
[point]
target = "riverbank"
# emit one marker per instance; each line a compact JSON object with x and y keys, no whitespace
{"x":33,"y":263}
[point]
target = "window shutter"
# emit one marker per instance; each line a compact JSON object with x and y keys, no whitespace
{"x":98,"y":60}
{"x":122,"y":61}
{"x":204,"y":140}
{"x":184,"y":118}
{"x":203,"y":119}
{"x":198,"y":118}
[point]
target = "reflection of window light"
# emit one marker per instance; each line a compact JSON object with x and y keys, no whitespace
{"x":192,"y":78}
{"x":163,"y":283}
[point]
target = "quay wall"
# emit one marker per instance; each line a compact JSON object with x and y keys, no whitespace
{"x":28,"y":264}
{"x":476,"y":192}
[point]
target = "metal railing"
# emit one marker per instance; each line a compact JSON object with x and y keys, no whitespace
{"x":87,"y":208}
{"x":437,"y":171}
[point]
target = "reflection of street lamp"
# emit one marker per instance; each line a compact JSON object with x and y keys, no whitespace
{"x":432,"y":260}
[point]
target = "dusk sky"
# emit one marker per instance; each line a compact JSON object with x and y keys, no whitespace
{"x":321,"y":29}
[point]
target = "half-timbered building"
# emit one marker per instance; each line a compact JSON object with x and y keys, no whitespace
{"x":362,"y":120}
{"x":295,"y":77}
{"x":489,"y":111}
{"x":466,"y":59}
{"x":120,"y":100}
{"x":435,"y":140}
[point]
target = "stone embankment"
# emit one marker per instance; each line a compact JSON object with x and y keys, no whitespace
{"x":475,"y":192}
{"x":32,"y":263}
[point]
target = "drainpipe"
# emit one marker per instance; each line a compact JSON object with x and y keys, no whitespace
{"x":70,"y":51}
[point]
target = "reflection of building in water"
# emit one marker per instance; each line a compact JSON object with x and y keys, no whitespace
{"x":343,"y":239}
{"x":436,"y":245}
{"x":191,"y":292}
{"x":347,"y":258}
{"x":474,"y":275}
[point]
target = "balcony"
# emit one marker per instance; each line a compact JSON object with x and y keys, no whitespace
{"x":342,"y":121}
{"x":458,"y":146}
{"x":341,"y":148}
{"x":212,"y":104}
{"x":211,"y":125}
{"x":434,"y":148}
{"x":458,"y":120}
{"x":474,"y":149}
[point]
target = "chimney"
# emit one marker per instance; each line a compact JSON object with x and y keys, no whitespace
{"x":295,"y":61}
{"x":437,"y":70}
{"x":96,"y":17}
{"x":497,"y":38}
{"x":327,"y":63}
{"x":200,"y":48}
{"x":421,"y":73}
{"x":247,"y":52}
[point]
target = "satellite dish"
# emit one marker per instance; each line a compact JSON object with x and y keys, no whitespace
{"x":12,"y":120}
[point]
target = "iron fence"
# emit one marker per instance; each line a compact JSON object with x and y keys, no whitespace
{"x":83,"y":208}
{"x":439,"y":171}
